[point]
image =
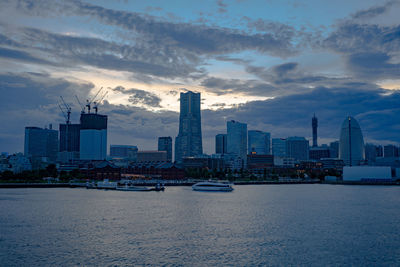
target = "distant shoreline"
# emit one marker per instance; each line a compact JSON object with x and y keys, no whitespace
{"x":190,"y":183}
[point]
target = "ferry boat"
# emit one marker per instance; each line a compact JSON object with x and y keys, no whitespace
{"x":212,"y":186}
{"x":106,"y":184}
{"x":127,"y":187}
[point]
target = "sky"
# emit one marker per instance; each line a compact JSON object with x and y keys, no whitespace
{"x":270,"y":64}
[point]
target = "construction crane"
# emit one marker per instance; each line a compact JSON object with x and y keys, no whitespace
{"x":97,"y":102}
{"x":89,"y":102}
{"x":67,"y":111}
{"x":80,"y":104}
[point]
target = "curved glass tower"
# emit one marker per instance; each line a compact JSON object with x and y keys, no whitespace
{"x":351,"y":143}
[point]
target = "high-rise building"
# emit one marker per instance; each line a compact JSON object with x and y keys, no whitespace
{"x":69,"y":137}
{"x":220,"y":144}
{"x":334,"y":149}
{"x":41,"y":143}
{"x":279,"y":147}
{"x":259,"y":142}
{"x":351,"y":144}
{"x":124,"y":152}
{"x":390,"y":151}
{"x":237,"y":140}
{"x":370,"y":152}
{"x":314,"y":123}
{"x":93,"y":137}
{"x":188,"y":143}
{"x":297,"y":148}
{"x":165,"y":144}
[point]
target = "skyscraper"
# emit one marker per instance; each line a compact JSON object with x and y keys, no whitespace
{"x":279,"y":147}
{"x":351,"y":143}
{"x":259,"y":142}
{"x":297,"y":148}
{"x":334,"y":149}
{"x":165,"y":144}
{"x":237,"y":139}
{"x":93,"y":137}
{"x":314,"y":123}
{"x":41,"y":143}
{"x":69,"y":142}
{"x":69,"y":137}
{"x":220,"y":144}
{"x":189,"y":140}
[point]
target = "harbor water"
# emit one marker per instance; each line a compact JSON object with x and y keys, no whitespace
{"x":312,"y":225}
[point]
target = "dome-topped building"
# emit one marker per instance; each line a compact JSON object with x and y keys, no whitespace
{"x":351,"y":144}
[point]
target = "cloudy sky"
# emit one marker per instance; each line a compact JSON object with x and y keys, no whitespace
{"x":271,"y":64}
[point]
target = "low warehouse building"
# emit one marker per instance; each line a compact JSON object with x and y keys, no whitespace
{"x":367,"y":174}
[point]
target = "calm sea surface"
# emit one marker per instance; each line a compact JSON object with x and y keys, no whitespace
{"x":315,"y":225}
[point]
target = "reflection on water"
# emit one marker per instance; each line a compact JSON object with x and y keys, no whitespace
{"x":253,"y":225}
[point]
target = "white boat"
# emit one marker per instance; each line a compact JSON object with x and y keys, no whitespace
{"x":127,"y":187}
{"x":106,"y":184}
{"x":212,"y":186}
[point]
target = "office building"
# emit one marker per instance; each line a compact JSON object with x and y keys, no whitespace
{"x":237,"y":140}
{"x":124,"y":152}
{"x":220,"y":144}
{"x":297,"y":148}
{"x":334,"y":149}
{"x":259,"y":142}
{"x":351,"y":143}
{"x":370,"y":152}
{"x":93,"y":137}
{"x":41,"y":145}
{"x":390,"y":151}
{"x":279,"y":147}
{"x":314,"y":123}
{"x":69,"y":142}
{"x":165,"y":144}
{"x":188,"y":143}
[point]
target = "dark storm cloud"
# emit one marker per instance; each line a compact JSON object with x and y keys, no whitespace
{"x":374,"y":11}
{"x":138,"y":96}
{"x":367,"y":49}
{"x":373,"y":65}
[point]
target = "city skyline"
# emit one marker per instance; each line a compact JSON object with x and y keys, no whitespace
{"x":264,"y":63}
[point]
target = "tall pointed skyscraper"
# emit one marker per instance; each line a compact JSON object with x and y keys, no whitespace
{"x":351,"y":144}
{"x":314,"y":123}
{"x":188,"y":143}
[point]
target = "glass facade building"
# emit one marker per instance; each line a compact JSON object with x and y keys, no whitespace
{"x":165,"y":144}
{"x":41,"y":143}
{"x":188,"y":143}
{"x":93,"y":137}
{"x":237,"y":139}
{"x":259,"y":142}
{"x":220,"y":143}
{"x":351,"y":143}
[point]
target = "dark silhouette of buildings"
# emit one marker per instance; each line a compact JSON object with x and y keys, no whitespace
{"x":165,"y":144}
{"x":188,"y":143}
{"x":220,"y":143}
{"x":314,"y":123}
